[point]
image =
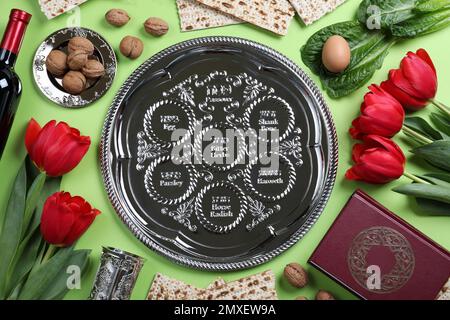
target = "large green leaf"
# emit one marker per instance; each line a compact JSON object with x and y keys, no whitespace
{"x":441,"y":122}
{"x":12,"y":227}
{"x":436,"y":153}
{"x":368,"y":50}
{"x":425,"y":191}
{"x":441,"y":176}
{"x":423,"y":24}
{"x":356,"y":76}
{"x":58,"y":287}
{"x":51,"y":186}
{"x":41,"y":278}
{"x":423,"y":127}
{"x":33,"y":196}
{"x":386,"y":12}
{"x":433,"y":206}
{"x":311,"y":52}
{"x":24,"y":262}
{"x":431,"y":5}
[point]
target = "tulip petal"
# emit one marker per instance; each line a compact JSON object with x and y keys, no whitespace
{"x":358,"y":150}
{"x":420,"y":76}
{"x":80,"y":226}
{"x":65,"y":218}
{"x":406,"y":100}
{"x":56,"y":220}
{"x":423,"y":54}
{"x":66,"y":153}
{"x":47,"y":136}
{"x":31,"y":134}
{"x":351,"y":175}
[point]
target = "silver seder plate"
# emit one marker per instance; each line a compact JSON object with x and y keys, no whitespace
{"x":183,"y":157}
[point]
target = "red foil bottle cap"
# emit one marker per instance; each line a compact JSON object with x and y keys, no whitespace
{"x":15,"y":31}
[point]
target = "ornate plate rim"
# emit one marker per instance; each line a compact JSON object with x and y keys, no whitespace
{"x":329,"y":182}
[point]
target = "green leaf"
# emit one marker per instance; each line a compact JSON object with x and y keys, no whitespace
{"x":12,"y":227}
{"x":423,"y":127}
{"x":58,"y":287}
{"x":24,"y":262}
{"x":441,"y":176}
{"x":436,"y":153}
{"x":431,"y":5}
{"x":33,"y":196}
{"x":51,"y":186}
{"x":368,"y":50}
{"x":386,"y":12}
{"x":311,"y":52}
{"x":433,"y":207}
{"x":42,"y":276}
{"x":422,"y":25}
{"x":436,"y":180}
{"x":441,"y":122}
{"x":426,"y":191}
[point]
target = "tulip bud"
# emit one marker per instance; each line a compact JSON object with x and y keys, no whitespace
{"x":65,"y":218}
{"x":57,"y":148}
{"x":415,"y":83}
{"x":381,"y":114}
{"x":377,"y":160}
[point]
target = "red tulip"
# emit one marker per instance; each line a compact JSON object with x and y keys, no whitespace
{"x":65,"y":218}
{"x":415,"y":83}
{"x":381,"y":114}
{"x":57,"y":148}
{"x":377,"y":160}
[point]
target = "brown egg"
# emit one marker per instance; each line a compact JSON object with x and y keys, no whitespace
{"x":336,"y":54}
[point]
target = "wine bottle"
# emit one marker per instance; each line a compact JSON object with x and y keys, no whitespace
{"x":10,"y":85}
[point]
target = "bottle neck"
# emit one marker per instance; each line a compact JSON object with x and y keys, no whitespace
{"x":13,"y":36}
{"x":7,"y":57}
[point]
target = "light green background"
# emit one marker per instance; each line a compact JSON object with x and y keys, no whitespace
{"x":86,"y":179}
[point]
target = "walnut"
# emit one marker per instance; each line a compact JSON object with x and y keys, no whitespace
{"x":57,"y":63}
{"x":83,"y":44}
{"x":296,"y":275}
{"x":117,"y":17}
{"x":324,"y":295}
{"x":76,"y":60}
{"x":74,"y":82}
{"x":131,"y":47}
{"x":156,"y":26}
{"x":93,"y":69}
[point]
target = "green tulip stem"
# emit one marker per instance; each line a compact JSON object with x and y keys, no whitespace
{"x":49,"y":253}
{"x":414,"y":178}
{"x":441,"y":107}
{"x":419,"y":137}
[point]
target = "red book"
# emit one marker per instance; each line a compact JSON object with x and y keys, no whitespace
{"x":379,"y":256}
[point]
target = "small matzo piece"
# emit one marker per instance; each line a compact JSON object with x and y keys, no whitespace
{"x":54,"y":8}
{"x":165,"y":288}
{"x":256,"y":287}
{"x":444,"y":294}
{"x":312,"y":10}
{"x":196,"y":16}
{"x":273,"y":15}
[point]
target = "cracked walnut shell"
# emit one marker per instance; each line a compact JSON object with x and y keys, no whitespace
{"x":296,"y":275}
{"x":83,"y":44}
{"x":156,"y":26}
{"x":74,"y":82}
{"x":93,"y":69}
{"x":56,"y":63}
{"x":131,"y":47}
{"x":117,"y":17}
{"x":76,"y":60}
